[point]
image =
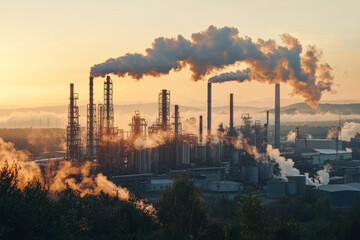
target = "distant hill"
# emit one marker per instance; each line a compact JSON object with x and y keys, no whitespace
{"x":303,"y":108}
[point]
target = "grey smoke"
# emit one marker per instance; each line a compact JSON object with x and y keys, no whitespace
{"x":216,"y":48}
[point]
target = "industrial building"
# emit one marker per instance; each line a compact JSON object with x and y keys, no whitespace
{"x":222,"y":162}
{"x":340,"y":195}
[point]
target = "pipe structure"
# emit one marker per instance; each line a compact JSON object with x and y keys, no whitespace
{"x":176,"y":122}
{"x":277,"y":115}
{"x":231,"y":114}
{"x":200,"y":128}
{"x":209,"y":110}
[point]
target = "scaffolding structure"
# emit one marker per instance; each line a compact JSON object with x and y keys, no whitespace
{"x":163,"y":120}
{"x":108,"y":134}
{"x":73,"y":130}
{"x":91,"y":124}
{"x":138,"y":126}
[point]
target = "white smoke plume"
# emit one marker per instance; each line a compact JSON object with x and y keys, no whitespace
{"x":152,"y":140}
{"x":323,"y":175}
{"x":216,"y":48}
{"x":62,"y":175}
{"x":286,"y":165}
{"x":291,"y":136}
{"x":287,"y":169}
{"x":349,"y":130}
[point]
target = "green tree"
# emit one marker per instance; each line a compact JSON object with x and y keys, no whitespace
{"x":254,"y":221}
{"x":180,"y":210}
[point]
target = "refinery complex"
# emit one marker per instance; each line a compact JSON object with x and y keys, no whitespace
{"x":223,"y":161}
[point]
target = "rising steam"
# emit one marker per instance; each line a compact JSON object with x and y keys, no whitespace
{"x":66,"y":173}
{"x":287,"y":168}
{"x":216,"y":48}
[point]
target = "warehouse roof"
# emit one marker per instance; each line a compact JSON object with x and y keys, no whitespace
{"x":355,"y":187}
{"x":331,"y":151}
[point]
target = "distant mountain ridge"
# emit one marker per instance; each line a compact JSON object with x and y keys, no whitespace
{"x":303,"y":108}
{"x":150,"y":108}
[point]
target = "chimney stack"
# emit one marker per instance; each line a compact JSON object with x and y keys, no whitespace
{"x":277,"y":115}
{"x":176,"y":122}
{"x":231,"y":115}
{"x":91,"y":119}
{"x":200,"y":129}
{"x":209,"y":110}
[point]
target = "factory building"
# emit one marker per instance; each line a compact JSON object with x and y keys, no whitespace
{"x":319,"y":143}
{"x":340,"y":195}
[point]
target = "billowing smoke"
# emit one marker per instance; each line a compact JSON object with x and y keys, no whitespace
{"x":286,"y":165}
{"x":287,"y":169}
{"x":349,"y":130}
{"x":63,"y":175}
{"x":216,"y":48}
{"x":153,"y":140}
{"x":332,"y":133}
{"x":291,"y":136}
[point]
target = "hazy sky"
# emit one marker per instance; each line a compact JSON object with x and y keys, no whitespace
{"x":45,"y":45}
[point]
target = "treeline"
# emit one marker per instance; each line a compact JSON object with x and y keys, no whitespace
{"x":181,"y":213}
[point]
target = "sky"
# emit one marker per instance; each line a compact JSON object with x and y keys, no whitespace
{"x":46,"y":45}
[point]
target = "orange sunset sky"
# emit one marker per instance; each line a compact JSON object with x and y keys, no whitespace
{"x":45,"y":45}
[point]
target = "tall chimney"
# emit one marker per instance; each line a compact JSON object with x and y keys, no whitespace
{"x":91,"y":119}
{"x":209,"y":110}
{"x":267,"y":127}
{"x":200,"y":128}
{"x":176,"y":122}
{"x":231,"y":115}
{"x":277,"y":115}
{"x":164,"y":110}
{"x":72,"y":100}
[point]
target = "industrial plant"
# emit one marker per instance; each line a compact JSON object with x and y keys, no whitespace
{"x":149,"y":155}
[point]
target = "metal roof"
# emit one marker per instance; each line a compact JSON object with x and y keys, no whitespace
{"x":355,"y":187}
{"x":331,"y":151}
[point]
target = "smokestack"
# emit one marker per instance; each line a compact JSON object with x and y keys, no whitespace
{"x":209,"y":110}
{"x":176,"y":122}
{"x":277,"y":115}
{"x":73,"y":138}
{"x":91,"y":119}
{"x":267,"y":127}
{"x":231,"y":115}
{"x":164,"y":110}
{"x":200,"y":128}
{"x":71,"y":106}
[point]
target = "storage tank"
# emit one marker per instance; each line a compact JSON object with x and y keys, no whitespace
{"x":276,"y":188}
{"x":142,"y":159}
{"x":300,"y":182}
{"x":201,"y":153}
{"x":234,"y":156}
{"x":265,"y":171}
{"x":250,"y":174}
{"x":290,"y":187}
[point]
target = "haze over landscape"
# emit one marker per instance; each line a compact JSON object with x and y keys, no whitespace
{"x":204,"y":120}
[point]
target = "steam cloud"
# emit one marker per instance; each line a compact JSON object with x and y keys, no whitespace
{"x":291,"y":136}
{"x":63,"y":176}
{"x":216,"y":48}
{"x":287,"y":169}
{"x":349,"y":130}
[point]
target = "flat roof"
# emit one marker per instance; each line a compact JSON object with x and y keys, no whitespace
{"x":331,"y":151}
{"x":355,"y":187}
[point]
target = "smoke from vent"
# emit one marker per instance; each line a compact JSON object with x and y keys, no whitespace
{"x":287,"y":168}
{"x":349,"y":130}
{"x":216,"y":48}
{"x":291,"y":136}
